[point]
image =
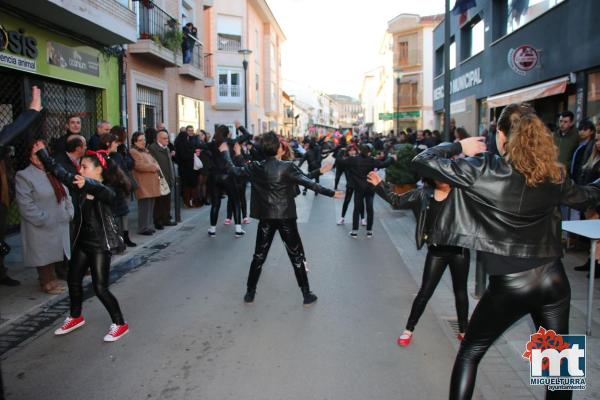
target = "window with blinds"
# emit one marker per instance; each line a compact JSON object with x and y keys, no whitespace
{"x":149,"y":107}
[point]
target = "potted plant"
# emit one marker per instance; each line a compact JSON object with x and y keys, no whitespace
{"x":399,"y":174}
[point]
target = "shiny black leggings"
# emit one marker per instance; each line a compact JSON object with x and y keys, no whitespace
{"x":223,"y":184}
{"x":338,"y":175}
{"x":99,"y":264}
{"x":363,"y":198}
{"x":240,"y":185}
{"x":347,"y":198}
{"x":435,"y":265}
{"x":542,"y":292}
{"x":288,"y":230}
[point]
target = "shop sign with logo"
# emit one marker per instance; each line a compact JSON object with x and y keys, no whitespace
{"x":523,"y":59}
{"x":73,"y":59}
{"x":463,"y":82}
{"x":17,"y":50}
{"x":399,"y":115}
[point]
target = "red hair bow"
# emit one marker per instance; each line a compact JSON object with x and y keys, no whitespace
{"x":101,"y":155}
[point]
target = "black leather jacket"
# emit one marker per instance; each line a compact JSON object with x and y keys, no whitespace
{"x":22,"y":124}
{"x":274,"y":185}
{"x":416,"y":200}
{"x":219,"y":166}
{"x":490,"y":208}
{"x":358,"y":167}
{"x":103,"y":224}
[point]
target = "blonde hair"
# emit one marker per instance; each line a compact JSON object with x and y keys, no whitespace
{"x":532,"y":152}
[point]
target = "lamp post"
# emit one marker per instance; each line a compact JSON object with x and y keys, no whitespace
{"x":292,"y":99}
{"x":398,"y":76}
{"x":245,"y":53}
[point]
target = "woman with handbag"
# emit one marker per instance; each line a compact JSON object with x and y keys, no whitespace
{"x":96,"y":235}
{"x":146,"y":173}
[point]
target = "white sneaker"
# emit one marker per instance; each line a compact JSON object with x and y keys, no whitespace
{"x":363,"y":222}
{"x":369,"y":234}
{"x":246,"y":221}
{"x":227,"y":221}
{"x":239,"y":232}
{"x":342,"y":221}
{"x":354,"y":235}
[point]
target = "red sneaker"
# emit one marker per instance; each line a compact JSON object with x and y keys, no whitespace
{"x":460,"y":337}
{"x":404,"y":339}
{"x":116,"y":332}
{"x":70,"y":325}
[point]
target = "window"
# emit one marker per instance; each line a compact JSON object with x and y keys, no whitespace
{"x":256,"y":47}
{"x":409,"y":94}
{"x":257,"y":89}
{"x":593,"y":97}
{"x":520,"y":12}
{"x":439,"y":61}
{"x":229,"y":85}
{"x":187,"y":12}
{"x":229,"y":33}
{"x":402,"y":53}
{"x":472,"y":38}
{"x":149,"y":107}
{"x":273,"y":97}
{"x":452,"y":54}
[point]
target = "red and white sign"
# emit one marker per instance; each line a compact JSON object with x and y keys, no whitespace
{"x":523,"y":59}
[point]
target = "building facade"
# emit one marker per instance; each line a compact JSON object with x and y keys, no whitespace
{"x":412,"y":44}
{"x":245,"y":25}
{"x":504,"y":54}
{"x":349,"y":110}
{"x":161,"y":88}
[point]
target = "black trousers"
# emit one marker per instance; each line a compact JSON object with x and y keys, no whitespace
{"x":435,"y":265}
{"x":347,"y":198}
{"x":339,"y":171}
{"x":543,"y":292}
{"x":288,"y":230}
{"x":362,"y":199}
{"x":99,"y":264}
{"x":223,"y":184}
{"x":240,"y":185}
{"x":316,"y":180}
{"x":162,"y":209}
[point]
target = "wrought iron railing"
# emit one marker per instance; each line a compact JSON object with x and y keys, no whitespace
{"x":208,"y":65}
{"x":230,"y":43}
{"x":155,"y":24}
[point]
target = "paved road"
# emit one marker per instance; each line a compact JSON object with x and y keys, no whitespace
{"x":193,"y":338}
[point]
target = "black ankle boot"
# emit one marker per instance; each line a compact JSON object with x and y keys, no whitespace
{"x":249,"y":297}
{"x":309,"y":297}
{"x":583,"y":267}
{"x":128,"y":241}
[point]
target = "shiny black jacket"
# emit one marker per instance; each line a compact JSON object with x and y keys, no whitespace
{"x":416,"y":200}
{"x":103,"y":224}
{"x":274,"y":184}
{"x":358,"y":167}
{"x":219,"y":165}
{"x":490,"y":208}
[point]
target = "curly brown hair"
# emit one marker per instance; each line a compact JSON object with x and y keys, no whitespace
{"x":531,"y":150}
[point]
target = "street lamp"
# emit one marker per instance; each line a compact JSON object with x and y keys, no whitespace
{"x":245,"y":53}
{"x":292,"y":99}
{"x":398,"y":76}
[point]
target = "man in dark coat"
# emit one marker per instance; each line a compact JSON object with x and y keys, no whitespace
{"x":162,"y":205}
{"x":184,"y":154}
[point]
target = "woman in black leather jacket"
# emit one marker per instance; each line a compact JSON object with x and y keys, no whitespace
{"x":426,"y":202}
{"x":506,"y":207}
{"x":95,"y":238}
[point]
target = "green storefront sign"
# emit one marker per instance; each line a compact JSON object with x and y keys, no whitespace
{"x":399,"y":115}
{"x":31,"y":49}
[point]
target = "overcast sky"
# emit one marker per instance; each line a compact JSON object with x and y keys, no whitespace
{"x":332,"y":43}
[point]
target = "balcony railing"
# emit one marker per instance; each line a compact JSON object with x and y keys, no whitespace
{"x":229,"y":43}
{"x":229,"y":91}
{"x":208,"y":65}
{"x":197,"y":57}
{"x":155,"y":24}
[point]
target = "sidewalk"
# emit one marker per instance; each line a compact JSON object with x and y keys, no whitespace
{"x":503,"y":373}
{"x":17,"y":302}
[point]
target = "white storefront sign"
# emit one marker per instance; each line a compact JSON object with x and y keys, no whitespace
{"x":463,"y":82}
{"x":17,"y":62}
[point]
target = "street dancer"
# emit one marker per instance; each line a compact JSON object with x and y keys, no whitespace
{"x":272,"y":203}
{"x":505,"y":206}
{"x":358,"y":167}
{"x":96,"y":235}
{"x":351,"y":151}
{"x":426,"y":203}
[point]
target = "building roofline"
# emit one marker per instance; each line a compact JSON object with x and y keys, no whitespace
{"x":268,"y":15}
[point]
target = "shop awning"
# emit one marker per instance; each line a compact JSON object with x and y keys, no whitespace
{"x":551,"y":88}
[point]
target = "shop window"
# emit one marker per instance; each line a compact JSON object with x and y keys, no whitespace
{"x":472,"y":38}
{"x":593,"y":97}
{"x":229,"y":85}
{"x":149,"y":107}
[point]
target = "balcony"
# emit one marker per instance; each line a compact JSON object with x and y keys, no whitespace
{"x":229,"y":43}
{"x":194,"y":67}
{"x":160,"y":36}
{"x":407,"y":58}
{"x":108,"y":22}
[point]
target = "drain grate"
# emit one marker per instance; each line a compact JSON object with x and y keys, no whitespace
{"x":20,"y":331}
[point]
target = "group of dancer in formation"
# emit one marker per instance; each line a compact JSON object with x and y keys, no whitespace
{"x":503,"y":206}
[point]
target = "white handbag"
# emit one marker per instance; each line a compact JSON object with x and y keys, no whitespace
{"x":197,"y":163}
{"x":164,"y":185}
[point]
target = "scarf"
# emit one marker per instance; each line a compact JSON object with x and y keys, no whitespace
{"x":59,"y":189}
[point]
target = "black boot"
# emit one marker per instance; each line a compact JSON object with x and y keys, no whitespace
{"x":309,"y":297}
{"x":583,"y":267}
{"x":249,"y":297}
{"x":128,"y":241}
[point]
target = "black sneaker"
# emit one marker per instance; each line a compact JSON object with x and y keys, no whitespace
{"x":249,"y":297}
{"x":147,"y":232}
{"x":240,"y":234}
{"x":369,"y":235}
{"x":159,"y":227}
{"x":584,"y":267}
{"x":309,"y":299}
{"x":354,"y":235}
{"x":212,"y":234}
{"x":8,"y":281}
